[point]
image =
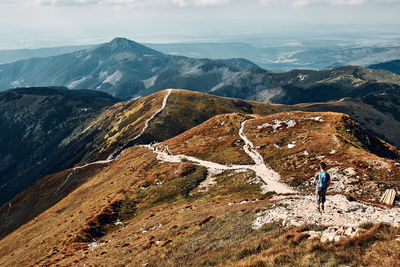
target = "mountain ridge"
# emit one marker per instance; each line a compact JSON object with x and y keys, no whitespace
{"x":126,"y":69}
{"x":34,"y":122}
{"x":142,"y":121}
{"x":118,"y":127}
{"x":393,"y":66}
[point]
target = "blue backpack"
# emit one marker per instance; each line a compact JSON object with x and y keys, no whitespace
{"x":322,"y":180}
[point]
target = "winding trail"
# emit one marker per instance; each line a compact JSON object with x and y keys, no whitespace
{"x":119,"y":150}
{"x":165,"y":155}
{"x":113,"y":156}
{"x":268,"y":176}
{"x":266,"y":173}
{"x":82,"y":167}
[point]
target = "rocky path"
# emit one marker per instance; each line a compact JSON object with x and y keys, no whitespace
{"x":263,"y":171}
{"x":341,"y":215}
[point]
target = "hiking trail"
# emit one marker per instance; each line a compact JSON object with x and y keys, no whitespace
{"x":263,"y":171}
{"x":113,"y":156}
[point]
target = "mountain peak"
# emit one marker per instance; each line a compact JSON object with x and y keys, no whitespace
{"x":123,"y":44}
{"x":120,"y":41}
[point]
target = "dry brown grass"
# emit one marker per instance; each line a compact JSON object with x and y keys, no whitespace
{"x":166,"y":221}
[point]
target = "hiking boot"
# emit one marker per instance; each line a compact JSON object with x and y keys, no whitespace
{"x":319,"y":210}
{"x":323,"y":208}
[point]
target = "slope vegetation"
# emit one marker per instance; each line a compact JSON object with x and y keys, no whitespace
{"x":98,"y":141}
{"x":33,"y":125}
{"x":200,"y":199}
{"x":377,"y":114}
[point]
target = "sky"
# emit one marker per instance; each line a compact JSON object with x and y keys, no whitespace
{"x":46,"y":23}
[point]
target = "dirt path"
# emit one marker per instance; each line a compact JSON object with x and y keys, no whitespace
{"x":113,"y":156}
{"x":262,"y":170}
{"x":121,"y":149}
{"x":269,"y":176}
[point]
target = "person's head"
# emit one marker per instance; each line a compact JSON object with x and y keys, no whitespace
{"x":323,"y":166}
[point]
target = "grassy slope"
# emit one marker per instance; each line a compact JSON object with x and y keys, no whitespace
{"x":102,"y":136}
{"x":337,"y":140}
{"x":187,"y":109}
{"x":125,"y":120}
{"x":114,"y":128}
{"x":35,"y":124}
{"x":166,"y":220}
{"x":378,"y":114}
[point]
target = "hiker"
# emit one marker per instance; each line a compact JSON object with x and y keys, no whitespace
{"x":322,"y":180}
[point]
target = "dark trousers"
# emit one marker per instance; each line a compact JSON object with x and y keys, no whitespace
{"x":321,"y":195}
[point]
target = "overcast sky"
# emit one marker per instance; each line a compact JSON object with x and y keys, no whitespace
{"x":44,"y":23}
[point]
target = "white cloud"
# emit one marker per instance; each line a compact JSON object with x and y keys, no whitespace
{"x":204,"y":3}
{"x":199,"y":3}
{"x":324,"y":2}
{"x":301,"y":2}
{"x":83,"y":2}
{"x":209,"y":2}
{"x":180,"y":3}
{"x":348,"y":2}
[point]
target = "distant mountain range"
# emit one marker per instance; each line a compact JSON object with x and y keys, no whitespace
{"x":393,"y":66}
{"x":126,"y":69}
{"x":122,"y":68}
{"x":275,"y":58}
{"x":285,"y":57}
{"x":303,"y":86}
{"x":8,"y":56}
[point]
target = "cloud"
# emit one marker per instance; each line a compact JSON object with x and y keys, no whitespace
{"x":205,"y":3}
{"x":348,"y":2}
{"x":180,"y":3}
{"x":199,"y":3}
{"x":298,"y":3}
{"x":83,"y":2}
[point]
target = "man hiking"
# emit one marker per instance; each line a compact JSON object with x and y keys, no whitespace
{"x":322,"y":180}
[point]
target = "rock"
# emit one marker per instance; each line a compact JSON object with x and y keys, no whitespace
{"x":350,"y":198}
{"x":314,"y":234}
{"x":337,"y":238}
{"x":331,"y":230}
{"x":204,"y":221}
{"x":340,"y":232}
{"x":358,"y":231}
{"x":327,"y":237}
{"x":349,"y":231}
{"x":166,"y":242}
{"x":148,"y":244}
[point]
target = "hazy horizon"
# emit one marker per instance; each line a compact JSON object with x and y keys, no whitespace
{"x":51,"y":23}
